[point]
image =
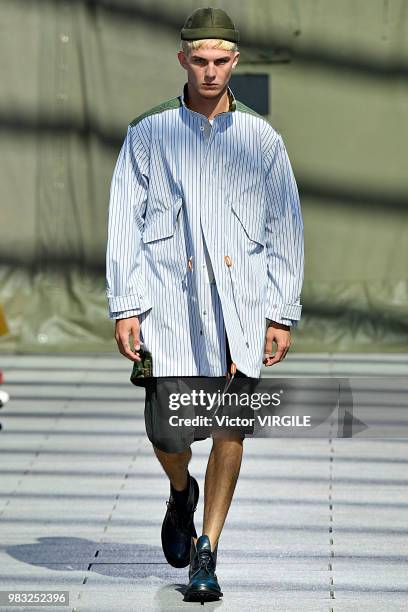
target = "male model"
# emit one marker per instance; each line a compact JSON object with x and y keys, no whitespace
{"x":204,"y":265}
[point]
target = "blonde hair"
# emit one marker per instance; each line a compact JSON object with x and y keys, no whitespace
{"x":215,"y":43}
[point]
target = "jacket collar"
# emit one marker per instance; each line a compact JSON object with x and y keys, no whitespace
{"x":231,"y":97}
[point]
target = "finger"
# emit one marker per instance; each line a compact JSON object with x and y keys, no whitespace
{"x":286,"y":352}
{"x":136,"y":337}
{"x":268,"y":357}
{"x":268,"y":344}
{"x":275,"y":358}
{"x":268,"y":361}
{"x":127,"y":352}
{"x":125,"y":349}
{"x":268,"y":351}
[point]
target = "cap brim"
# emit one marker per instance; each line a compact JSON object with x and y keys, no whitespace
{"x":198,"y":33}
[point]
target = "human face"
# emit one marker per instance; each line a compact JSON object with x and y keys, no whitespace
{"x":209,"y":70}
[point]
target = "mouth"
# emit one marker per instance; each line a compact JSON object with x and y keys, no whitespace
{"x":209,"y":85}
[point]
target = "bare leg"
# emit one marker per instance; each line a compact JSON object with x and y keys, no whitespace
{"x":220,"y":479}
{"x":175,"y":465}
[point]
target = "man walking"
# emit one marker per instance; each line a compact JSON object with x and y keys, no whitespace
{"x":204,"y":266}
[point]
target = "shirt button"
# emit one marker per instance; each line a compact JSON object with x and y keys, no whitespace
{"x":228,"y":260}
{"x":204,"y":312}
{"x":202,"y":128}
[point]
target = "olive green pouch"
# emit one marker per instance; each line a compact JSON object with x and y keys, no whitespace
{"x":142,"y":370}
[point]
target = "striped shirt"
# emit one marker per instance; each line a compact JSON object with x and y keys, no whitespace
{"x":205,"y":237}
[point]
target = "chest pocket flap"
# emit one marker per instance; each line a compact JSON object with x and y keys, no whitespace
{"x":161,"y":222}
{"x":252,"y":218}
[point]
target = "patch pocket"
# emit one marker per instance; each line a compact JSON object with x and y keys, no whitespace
{"x":252,"y":219}
{"x":161,"y":222}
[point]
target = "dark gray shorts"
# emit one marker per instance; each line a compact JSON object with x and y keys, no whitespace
{"x":175,"y":439}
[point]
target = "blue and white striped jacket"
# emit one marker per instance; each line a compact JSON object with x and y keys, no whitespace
{"x":205,"y":236}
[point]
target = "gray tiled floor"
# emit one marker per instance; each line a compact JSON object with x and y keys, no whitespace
{"x":315,"y":524}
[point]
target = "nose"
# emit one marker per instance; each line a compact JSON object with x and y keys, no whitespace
{"x":210,"y":72}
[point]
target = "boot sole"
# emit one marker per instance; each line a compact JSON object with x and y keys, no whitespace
{"x":203,"y":595}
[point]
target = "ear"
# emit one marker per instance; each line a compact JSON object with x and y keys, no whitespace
{"x":236,"y":58}
{"x":182,"y":59}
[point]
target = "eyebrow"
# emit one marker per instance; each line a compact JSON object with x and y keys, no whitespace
{"x":226,"y":57}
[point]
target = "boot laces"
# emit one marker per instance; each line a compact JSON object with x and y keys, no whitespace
{"x":205,"y":562}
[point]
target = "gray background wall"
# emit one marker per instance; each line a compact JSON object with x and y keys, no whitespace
{"x":75,"y":73}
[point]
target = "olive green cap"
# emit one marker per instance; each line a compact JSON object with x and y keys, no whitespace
{"x":209,"y":23}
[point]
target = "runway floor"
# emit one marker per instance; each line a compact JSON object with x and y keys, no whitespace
{"x":315,"y":524}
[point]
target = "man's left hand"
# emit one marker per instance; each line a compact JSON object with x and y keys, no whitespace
{"x":280,"y":334}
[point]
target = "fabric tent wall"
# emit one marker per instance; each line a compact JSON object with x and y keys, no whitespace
{"x":75,"y":73}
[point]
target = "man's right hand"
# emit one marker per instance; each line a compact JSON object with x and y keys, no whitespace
{"x":123,"y":329}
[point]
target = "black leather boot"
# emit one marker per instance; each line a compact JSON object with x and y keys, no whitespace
{"x":203,"y":585}
{"x":178,"y":528}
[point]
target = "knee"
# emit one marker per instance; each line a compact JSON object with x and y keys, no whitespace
{"x":172,"y":458}
{"x":225,"y":440}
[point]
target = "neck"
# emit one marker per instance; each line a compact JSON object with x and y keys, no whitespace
{"x":207,"y":107}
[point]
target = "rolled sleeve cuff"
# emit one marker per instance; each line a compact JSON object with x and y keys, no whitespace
{"x":287,"y":314}
{"x":127,"y":305}
{"x":124,"y":315}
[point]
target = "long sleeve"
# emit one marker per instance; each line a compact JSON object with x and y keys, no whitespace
{"x":284,"y":237}
{"x":127,"y":204}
